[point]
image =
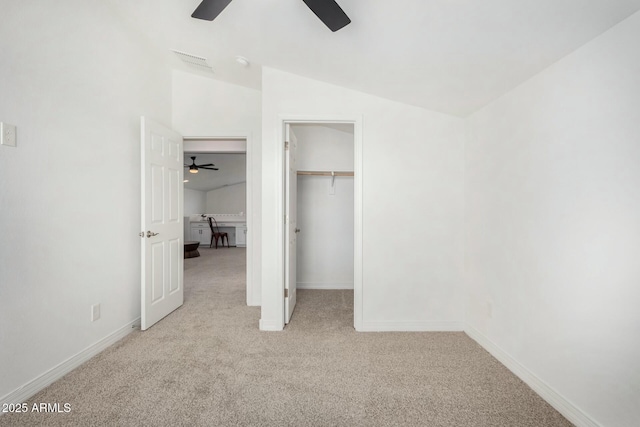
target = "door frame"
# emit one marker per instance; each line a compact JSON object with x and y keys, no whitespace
{"x":356,"y":120}
{"x":251,"y":298}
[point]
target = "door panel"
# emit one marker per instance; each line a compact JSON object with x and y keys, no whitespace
{"x":157,"y":200}
{"x":174,"y":275}
{"x":175,"y":185}
{"x":157,"y":269}
{"x":162,"y":222}
{"x":291,"y":191}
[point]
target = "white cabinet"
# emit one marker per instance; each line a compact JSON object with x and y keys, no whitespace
{"x":241,"y":235}
{"x":200,"y":232}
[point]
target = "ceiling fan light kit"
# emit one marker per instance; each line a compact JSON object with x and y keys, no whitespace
{"x":328,"y":11}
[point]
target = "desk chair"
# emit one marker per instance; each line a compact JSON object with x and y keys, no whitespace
{"x":216,"y":233}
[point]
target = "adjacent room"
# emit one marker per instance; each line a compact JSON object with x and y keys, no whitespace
{"x":219,"y":192}
{"x":462,"y":249}
{"x":215,"y":203}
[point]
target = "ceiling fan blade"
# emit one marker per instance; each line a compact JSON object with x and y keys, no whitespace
{"x":213,"y":169}
{"x":209,"y":9}
{"x":329,"y":12}
{"x":208,"y":164}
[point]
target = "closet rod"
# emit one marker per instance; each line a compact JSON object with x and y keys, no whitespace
{"x":325,"y":173}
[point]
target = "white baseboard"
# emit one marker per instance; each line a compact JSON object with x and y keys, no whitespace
{"x":570,"y":411}
{"x":270,"y":325}
{"x":426,"y":326}
{"x":324,"y":285}
{"x":23,"y":393}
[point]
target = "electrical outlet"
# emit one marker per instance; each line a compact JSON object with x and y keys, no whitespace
{"x":95,"y":312}
{"x":7,"y":134}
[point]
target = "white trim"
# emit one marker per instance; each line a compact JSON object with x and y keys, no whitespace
{"x":324,"y":285}
{"x":569,"y":410}
{"x":250,"y":244}
{"x":278,"y":323}
{"x":425,"y":326}
{"x":233,"y":136}
{"x":236,"y":144}
{"x":357,"y":121}
{"x":269,"y":325}
{"x":358,"y":285}
{"x":23,"y":393}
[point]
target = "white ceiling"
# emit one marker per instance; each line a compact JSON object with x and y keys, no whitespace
{"x":452,"y":56}
{"x":232,"y":170}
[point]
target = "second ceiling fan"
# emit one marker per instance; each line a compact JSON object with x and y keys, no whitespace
{"x":193,"y":168}
{"x":328,"y":11}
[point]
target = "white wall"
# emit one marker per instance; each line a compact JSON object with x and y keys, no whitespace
{"x":75,"y":82}
{"x":323,"y":147}
{"x":553,"y":226}
{"x":324,"y":255}
{"x":231,"y":199}
{"x":207,"y":107}
{"x":195,"y":202}
{"x":412,"y":193}
{"x":325,"y":242}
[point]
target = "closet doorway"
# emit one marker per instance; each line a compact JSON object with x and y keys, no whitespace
{"x":320,"y":209}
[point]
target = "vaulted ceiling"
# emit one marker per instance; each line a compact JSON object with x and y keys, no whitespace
{"x":452,"y":56}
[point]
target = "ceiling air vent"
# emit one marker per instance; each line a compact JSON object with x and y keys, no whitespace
{"x":194,"y":61}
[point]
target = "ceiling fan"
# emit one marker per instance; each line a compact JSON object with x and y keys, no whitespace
{"x":328,"y":11}
{"x":193,"y":168}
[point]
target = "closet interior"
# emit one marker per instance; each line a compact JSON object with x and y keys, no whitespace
{"x":325,"y":205}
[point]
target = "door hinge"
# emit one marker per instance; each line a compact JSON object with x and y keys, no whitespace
{"x":286,"y":293}
{"x":286,"y":145}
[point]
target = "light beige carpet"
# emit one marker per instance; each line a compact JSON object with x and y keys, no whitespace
{"x":208,"y":364}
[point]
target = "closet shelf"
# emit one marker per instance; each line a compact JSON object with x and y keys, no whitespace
{"x":325,"y":173}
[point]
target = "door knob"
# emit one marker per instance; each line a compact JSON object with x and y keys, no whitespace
{"x":151,"y":234}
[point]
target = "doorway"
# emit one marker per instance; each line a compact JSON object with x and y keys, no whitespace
{"x":224,"y":194}
{"x":321,"y":201}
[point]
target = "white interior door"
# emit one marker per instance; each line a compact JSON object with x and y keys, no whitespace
{"x":162,"y":222}
{"x":291,"y":230}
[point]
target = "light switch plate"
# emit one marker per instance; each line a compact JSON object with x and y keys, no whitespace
{"x":95,"y":312}
{"x":7,"y":134}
